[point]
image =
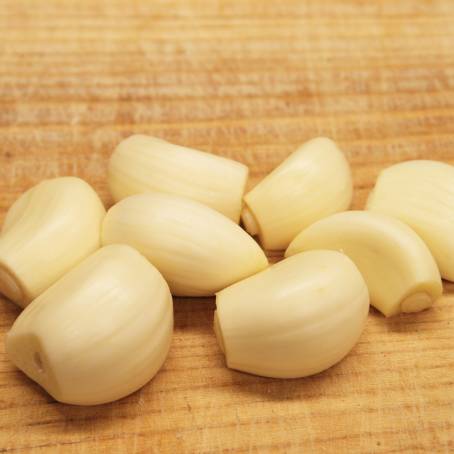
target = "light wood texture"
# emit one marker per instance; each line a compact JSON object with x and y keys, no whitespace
{"x":249,"y":80}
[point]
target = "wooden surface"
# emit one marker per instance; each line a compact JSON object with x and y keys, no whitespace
{"x":249,"y":80}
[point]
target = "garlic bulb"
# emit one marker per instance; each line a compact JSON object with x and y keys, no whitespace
{"x":142,"y":163}
{"x":399,"y":270}
{"x":47,"y":231}
{"x":198,"y":250}
{"x":296,"y":318}
{"x":313,"y":182}
{"x":99,"y":333}
{"x":421,"y":194}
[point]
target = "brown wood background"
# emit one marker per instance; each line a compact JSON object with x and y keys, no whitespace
{"x":249,"y":80}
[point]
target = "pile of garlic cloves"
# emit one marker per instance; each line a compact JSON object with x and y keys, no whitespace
{"x":96,"y":287}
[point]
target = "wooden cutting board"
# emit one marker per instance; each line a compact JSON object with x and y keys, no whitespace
{"x":249,"y":80}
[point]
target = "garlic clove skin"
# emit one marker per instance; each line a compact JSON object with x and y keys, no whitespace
{"x":297,"y":318}
{"x":421,"y":194}
{"x":313,"y":182}
{"x":399,"y":270}
{"x":198,"y":250}
{"x":47,"y":231}
{"x":143,"y":163}
{"x":99,"y":333}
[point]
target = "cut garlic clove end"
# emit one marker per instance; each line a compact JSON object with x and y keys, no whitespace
{"x":47,"y":231}
{"x":416,"y":302}
{"x":10,"y":287}
{"x":313,"y":182}
{"x":198,"y":250}
{"x":99,"y":333}
{"x":218,"y":332}
{"x":297,"y":318}
{"x":142,"y":163}
{"x":399,"y":269}
{"x":249,"y":221}
{"x":421,"y":194}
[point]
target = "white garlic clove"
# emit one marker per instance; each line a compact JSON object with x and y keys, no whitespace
{"x":313,"y":182}
{"x":399,"y":270}
{"x":142,"y":163}
{"x":421,"y":194}
{"x":47,"y":231}
{"x":198,"y":250}
{"x":297,"y":318}
{"x":99,"y":333}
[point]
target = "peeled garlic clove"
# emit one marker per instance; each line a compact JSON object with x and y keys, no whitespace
{"x":99,"y":333}
{"x":297,"y":318}
{"x":47,"y":231}
{"x":142,"y":163}
{"x":399,"y":270}
{"x":421,"y":194}
{"x":198,"y":250}
{"x":313,"y":182}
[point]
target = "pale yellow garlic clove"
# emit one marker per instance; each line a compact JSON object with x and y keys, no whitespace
{"x":421,"y":194}
{"x":99,"y":333}
{"x":47,"y":231}
{"x":313,"y":182}
{"x":399,"y":270}
{"x":142,"y":163}
{"x":198,"y":250}
{"x":297,"y":318}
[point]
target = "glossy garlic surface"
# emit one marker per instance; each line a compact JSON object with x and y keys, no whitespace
{"x":143,"y":163}
{"x":399,"y":270}
{"x":47,"y":231}
{"x":313,"y":182}
{"x":198,"y":250}
{"x":421,"y":194}
{"x":99,"y":333}
{"x":297,"y":318}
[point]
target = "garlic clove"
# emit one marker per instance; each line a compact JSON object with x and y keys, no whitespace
{"x":142,"y":163}
{"x":397,"y":266}
{"x":297,"y":318}
{"x":421,"y":194}
{"x":99,"y":333}
{"x":198,"y":250}
{"x":48,"y":230}
{"x":313,"y":182}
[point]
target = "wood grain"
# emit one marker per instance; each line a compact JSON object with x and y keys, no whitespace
{"x":249,"y":80}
